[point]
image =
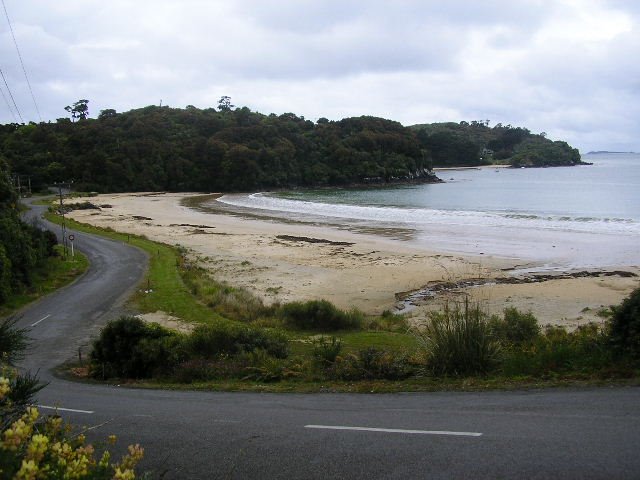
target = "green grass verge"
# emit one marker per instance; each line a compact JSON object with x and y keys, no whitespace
{"x":424,"y":384}
{"x":55,"y":273}
{"x":48,"y":200}
{"x":163,"y":288}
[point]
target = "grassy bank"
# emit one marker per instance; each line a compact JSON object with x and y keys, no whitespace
{"x":55,"y":273}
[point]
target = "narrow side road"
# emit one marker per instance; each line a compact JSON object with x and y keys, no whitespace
{"x":64,"y":321}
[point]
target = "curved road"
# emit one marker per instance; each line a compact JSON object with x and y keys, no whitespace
{"x":581,"y":434}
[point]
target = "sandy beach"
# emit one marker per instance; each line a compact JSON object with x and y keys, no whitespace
{"x":284,"y":261}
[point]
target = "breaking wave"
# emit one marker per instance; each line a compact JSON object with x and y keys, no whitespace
{"x":423,"y":217}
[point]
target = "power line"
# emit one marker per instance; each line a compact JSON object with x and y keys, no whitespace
{"x":11,"y":95}
{"x":15,"y":120}
{"x":24,"y":70}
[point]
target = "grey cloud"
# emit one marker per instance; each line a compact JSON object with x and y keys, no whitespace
{"x":413,"y":61}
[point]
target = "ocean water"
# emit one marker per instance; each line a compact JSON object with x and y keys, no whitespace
{"x":585,"y":216}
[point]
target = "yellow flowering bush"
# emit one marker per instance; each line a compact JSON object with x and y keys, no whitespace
{"x":33,"y":447}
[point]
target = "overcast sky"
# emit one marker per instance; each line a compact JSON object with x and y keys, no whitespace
{"x":569,"y":68}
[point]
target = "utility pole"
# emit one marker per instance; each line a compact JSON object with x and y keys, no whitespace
{"x":63,"y":225}
{"x":17,"y":178}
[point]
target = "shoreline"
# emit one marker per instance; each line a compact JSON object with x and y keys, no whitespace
{"x":285,"y":261}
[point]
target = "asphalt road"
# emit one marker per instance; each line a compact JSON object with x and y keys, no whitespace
{"x":574,"y":434}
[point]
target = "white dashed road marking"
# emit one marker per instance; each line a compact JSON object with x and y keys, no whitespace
{"x":60,"y":409}
{"x":396,"y":430}
{"x":43,"y":318}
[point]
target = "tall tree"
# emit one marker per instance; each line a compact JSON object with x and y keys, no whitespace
{"x":79,"y":110}
{"x":224,"y":104}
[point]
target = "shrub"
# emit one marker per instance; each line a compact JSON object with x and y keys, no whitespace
{"x":131,"y":348}
{"x":515,"y":327}
{"x":232,"y":338}
{"x":262,"y":367}
{"x":556,"y":350}
{"x":458,"y":341}
{"x":34,"y":447}
{"x":624,"y":326}
{"x":17,"y":390}
{"x":13,"y":341}
{"x":326,"y":350}
{"x":371,"y":364}
{"x":319,"y":315}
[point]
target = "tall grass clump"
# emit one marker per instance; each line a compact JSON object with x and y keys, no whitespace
{"x":234,"y":303}
{"x":319,"y":315}
{"x":458,"y":341}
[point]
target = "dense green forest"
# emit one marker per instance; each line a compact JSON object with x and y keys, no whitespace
{"x":22,"y":247}
{"x":236,"y":149}
{"x":475,"y":143}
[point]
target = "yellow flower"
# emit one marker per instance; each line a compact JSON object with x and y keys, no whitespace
{"x":16,"y":435}
{"x":5,"y":387}
{"x":104,"y":461}
{"x":31,"y":415}
{"x":112,"y":439}
{"x":136,"y":452}
{"x":123,"y":474}
{"x":77,"y":468}
{"x":53,"y":425}
{"x":28,"y":470}
{"x":37,"y":447}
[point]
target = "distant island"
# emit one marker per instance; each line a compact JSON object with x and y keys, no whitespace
{"x":606,"y":151}
{"x":235,"y":149}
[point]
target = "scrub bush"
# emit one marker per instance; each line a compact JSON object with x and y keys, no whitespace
{"x":222,"y":337}
{"x":624,"y":326}
{"x":556,"y":350}
{"x":326,"y":350}
{"x":319,"y":315}
{"x":372,"y":364}
{"x":131,"y":348}
{"x":515,"y":327}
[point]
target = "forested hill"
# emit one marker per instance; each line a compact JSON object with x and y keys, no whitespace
{"x":475,"y":143}
{"x":162,"y":148}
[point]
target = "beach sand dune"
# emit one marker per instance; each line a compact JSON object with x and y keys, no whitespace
{"x":282,"y":262}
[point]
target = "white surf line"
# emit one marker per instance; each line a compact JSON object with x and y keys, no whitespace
{"x":43,"y":318}
{"x":396,"y":430}
{"x":60,"y":409}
